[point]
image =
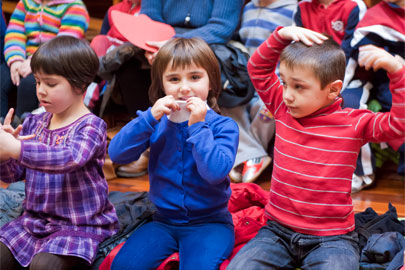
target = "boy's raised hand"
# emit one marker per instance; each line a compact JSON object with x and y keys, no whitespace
{"x":198,"y":110}
{"x":306,"y":36}
{"x":163,"y":106}
{"x":372,"y":57}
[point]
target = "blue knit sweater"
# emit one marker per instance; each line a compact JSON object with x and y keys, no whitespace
{"x":212,"y":20}
{"x":188,"y":165}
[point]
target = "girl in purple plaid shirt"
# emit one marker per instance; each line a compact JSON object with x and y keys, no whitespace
{"x":60,"y":154}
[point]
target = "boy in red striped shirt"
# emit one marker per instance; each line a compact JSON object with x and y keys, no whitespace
{"x":310,"y":211}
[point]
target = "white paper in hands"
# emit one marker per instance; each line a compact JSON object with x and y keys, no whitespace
{"x":180,"y":116}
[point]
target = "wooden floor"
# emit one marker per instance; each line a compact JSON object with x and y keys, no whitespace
{"x":388,"y":187}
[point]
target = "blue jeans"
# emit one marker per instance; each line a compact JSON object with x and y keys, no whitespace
{"x":277,"y":247}
{"x":200,"y":246}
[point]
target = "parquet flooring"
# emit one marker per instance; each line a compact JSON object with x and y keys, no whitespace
{"x":388,"y":187}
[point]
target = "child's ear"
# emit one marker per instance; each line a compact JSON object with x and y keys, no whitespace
{"x":335,"y":88}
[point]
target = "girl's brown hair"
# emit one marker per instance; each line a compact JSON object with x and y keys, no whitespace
{"x":68,"y":57}
{"x":181,"y":53}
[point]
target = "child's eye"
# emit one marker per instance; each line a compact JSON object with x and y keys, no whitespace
{"x":298,"y":86}
{"x":195,"y":77}
{"x":173,"y":79}
{"x":51,"y":84}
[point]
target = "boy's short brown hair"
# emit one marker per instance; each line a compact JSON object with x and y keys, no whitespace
{"x":68,"y":57}
{"x":327,"y":60}
{"x":182,"y":52}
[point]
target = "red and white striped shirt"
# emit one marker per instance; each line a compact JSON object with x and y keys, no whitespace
{"x":315,"y":156}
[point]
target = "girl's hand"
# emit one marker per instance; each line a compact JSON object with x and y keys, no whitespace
{"x":163,"y":106}
{"x":14,"y":72}
{"x":25,"y":68}
{"x":150,"y":56}
{"x":372,"y":57}
{"x":306,"y":36}
{"x":10,"y":147}
{"x":198,"y":110}
{"x":6,"y":126}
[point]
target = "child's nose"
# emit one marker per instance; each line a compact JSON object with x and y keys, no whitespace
{"x":185,"y":87}
{"x":287,"y":95}
{"x":40,"y":90}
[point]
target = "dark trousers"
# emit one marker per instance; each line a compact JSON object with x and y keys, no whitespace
{"x":133,"y":84}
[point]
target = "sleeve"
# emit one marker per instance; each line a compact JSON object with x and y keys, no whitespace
{"x":133,"y":139}
{"x":10,"y":171}
{"x":15,"y":39}
{"x":154,"y":9}
{"x":214,"y":150}
{"x":355,"y":16}
{"x":221,"y":25}
{"x":75,"y":21}
{"x":261,"y":67}
{"x":87,"y":141}
{"x":105,"y":27}
{"x":383,"y":127}
{"x":297,"y":20}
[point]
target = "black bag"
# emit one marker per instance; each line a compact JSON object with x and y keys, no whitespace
{"x":369,"y":222}
{"x":237,"y":87}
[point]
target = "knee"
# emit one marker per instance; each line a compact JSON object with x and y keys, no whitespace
{"x":39,"y":262}
{"x":119,"y":262}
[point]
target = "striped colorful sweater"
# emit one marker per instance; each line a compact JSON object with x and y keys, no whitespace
{"x":315,"y":156}
{"x":33,"y":23}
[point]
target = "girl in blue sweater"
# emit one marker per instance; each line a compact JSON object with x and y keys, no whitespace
{"x":189,"y":162}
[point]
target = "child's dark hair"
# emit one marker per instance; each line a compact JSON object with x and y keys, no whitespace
{"x":68,"y":57}
{"x":182,"y":52}
{"x":327,"y":60}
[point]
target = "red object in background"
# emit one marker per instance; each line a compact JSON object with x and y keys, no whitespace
{"x":140,"y":29}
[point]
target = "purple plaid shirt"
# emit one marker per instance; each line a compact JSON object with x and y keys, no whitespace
{"x":66,"y":210}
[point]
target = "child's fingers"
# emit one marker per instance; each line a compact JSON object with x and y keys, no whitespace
{"x":26,"y":137}
{"x":17,"y":131}
{"x":304,"y":39}
{"x":9,"y":116}
{"x":8,"y":129}
{"x":400,"y":59}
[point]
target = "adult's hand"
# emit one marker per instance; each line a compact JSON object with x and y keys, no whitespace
{"x":15,"y":73}
{"x":25,"y":68}
{"x":150,"y":56}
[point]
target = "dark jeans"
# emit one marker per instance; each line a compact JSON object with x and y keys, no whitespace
{"x":277,"y":247}
{"x":200,"y":246}
{"x":6,"y":87}
{"x":27,"y":100}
